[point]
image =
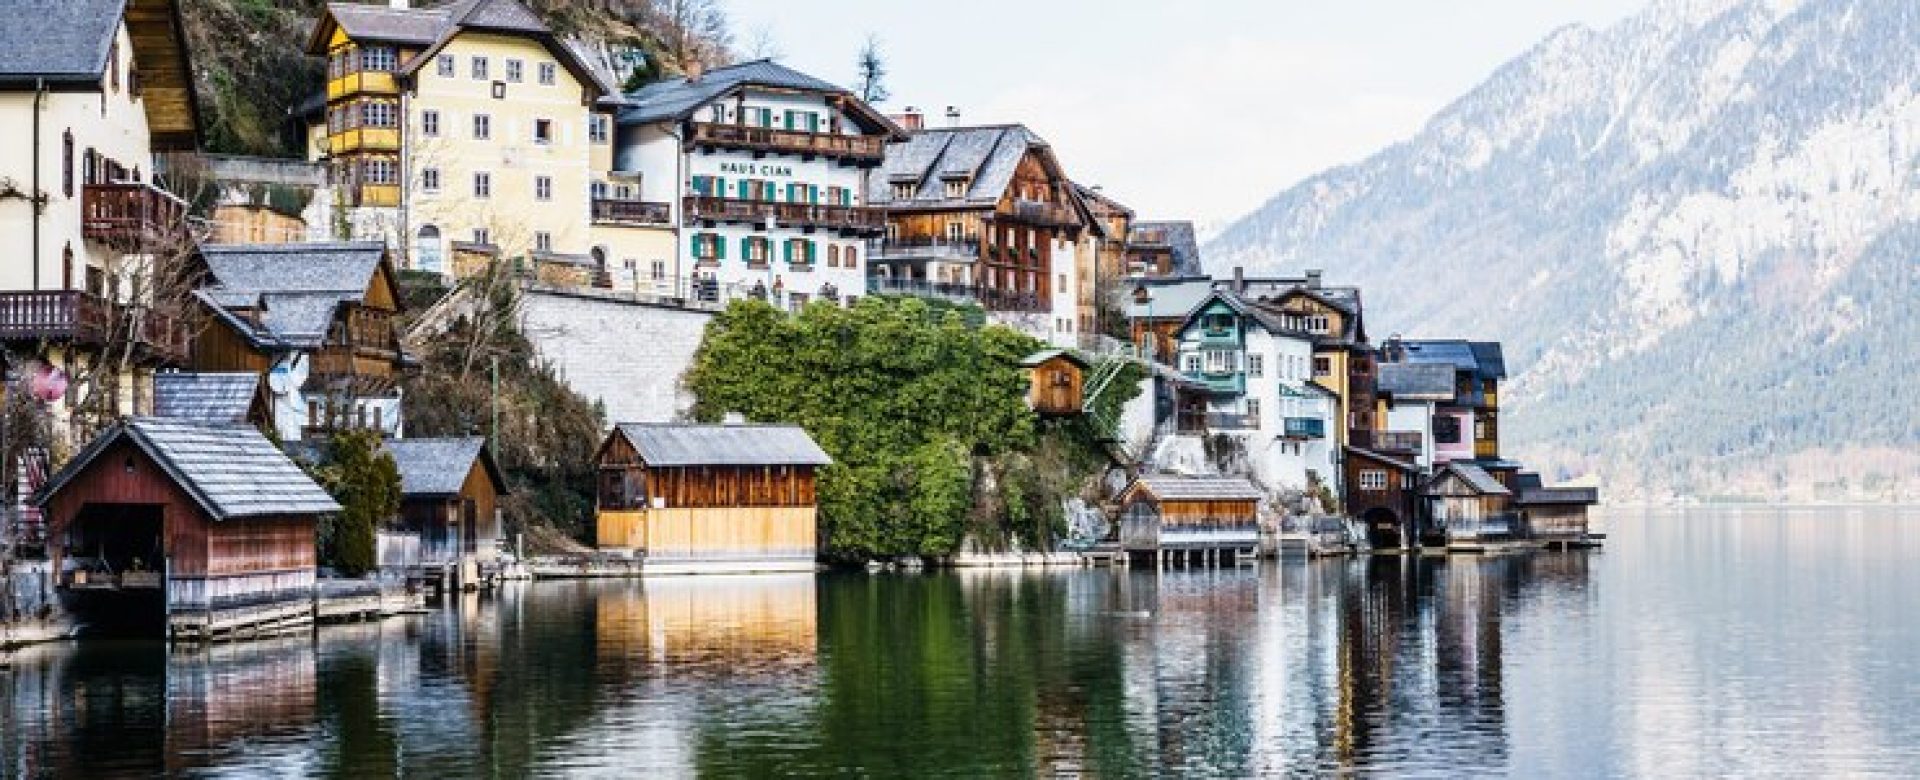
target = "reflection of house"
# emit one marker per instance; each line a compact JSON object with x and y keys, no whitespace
{"x":318,"y":322}
{"x":1055,"y":381}
{"x":710,"y":497}
{"x":214,"y":519}
{"x":983,"y":215}
{"x":217,"y":398}
{"x":730,"y":625}
{"x":450,"y":497}
{"x":1187,"y":515}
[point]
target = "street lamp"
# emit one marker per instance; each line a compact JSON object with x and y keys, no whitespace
{"x":1143,"y":296}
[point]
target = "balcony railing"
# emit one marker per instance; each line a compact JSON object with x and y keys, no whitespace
{"x":1408,"y":441}
{"x":851,"y":218}
{"x":927,"y":247}
{"x":129,"y":211}
{"x":857,"y":148}
{"x":1040,"y":212}
{"x":78,"y":317}
{"x":1305,"y":428}
{"x":631,"y":212}
{"x":958,"y":293}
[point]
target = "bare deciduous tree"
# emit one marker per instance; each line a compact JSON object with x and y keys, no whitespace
{"x":872,"y":72}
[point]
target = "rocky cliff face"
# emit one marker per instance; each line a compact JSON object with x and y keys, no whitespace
{"x":1698,"y":232}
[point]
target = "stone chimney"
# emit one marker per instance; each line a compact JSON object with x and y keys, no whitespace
{"x":1313,"y":278}
{"x":1239,"y":280}
{"x":910,"y":120}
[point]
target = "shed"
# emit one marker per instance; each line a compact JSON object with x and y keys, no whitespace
{"x":1056,"y":381}
{"x":1554,"y":514}
{"x":710,"y":497}
{"x":214,"y":519}
{"x":450,"y":492}
{"x":1469,"y":504}
{"x":1190,"y":514}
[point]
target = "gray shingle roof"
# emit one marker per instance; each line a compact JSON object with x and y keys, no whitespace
{"x":209,"y":397}
{"x":1559,"y":495}
{"x":675,"y":444}
{"x":676,"y":99}
{"x":393,"y":25}
{"x":1417,"y":381}
{"x":1170,"y":300}
{"x":1045,"y":355}
{"x":294,"y":268}
{"x":1180,"y":239}
{"x":62,"y":41}
{"x":435,"y":467}
{"x":987,"y":156}
{"x":231,"y":471}
{"x":1475,"y":477}
{"x":1484,"y":358}
{"x":1176,"y":488}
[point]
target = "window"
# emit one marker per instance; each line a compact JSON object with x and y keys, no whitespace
{"x":482,"y":237}
{"x":1373,"y":479}
{"x":430,"y":179}
{"x":380,"y":58}
{"x":1317,"y":323}
{"x":113,"y":65}
{"x":1322,"y":366}
{"x":542,"y":241}
{"x":379,"y":114}
{"x":380,"y":170}
{"x":599,"y":190}
{"x":799,"y":252}
{"x":1256,"y":364}
{"x":659,"y":270}
{"x":903,"y":191}
{"x":1253,"y":410}
{"x":1060,"y":283}
{"x":833,"y":255}
{"x":543,"y":131}
{"x":447,"y":65}
{"x":1484,"y":428}
{"x":513,"y":71}
{"x":479,"y":69}
{"x":482,"y":127}
{"x":707,"y":246}
{"x":597,"y":128}
{"x":956,"y":189}
{"x":1446,"y":429}
{"x":1219,"y":361}
{"x":850,"y":259}
{"x":1219,"y":323}
{"x":755,"y":249}
{"x":549,"y":73}
{"x":543,"y":188}
{"x":1190,"y":362}
{"x":955,"y":230}
{"x":430,"y":123}
{"x":426,"y":248}
{"x":483,"y":185}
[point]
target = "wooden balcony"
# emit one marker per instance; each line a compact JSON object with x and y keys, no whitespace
{"x":607,"y":211}
{"x":856,"y":219}
{"x":1041,"y":213}
{"x":129,"y":212}
{"x":924,"y":248}
{"x":860,"y":149}
{"x":71,"y":316}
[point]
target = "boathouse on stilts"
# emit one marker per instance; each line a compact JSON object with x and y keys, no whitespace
{"x":197,"y":530}
{"x":1170,"y":520}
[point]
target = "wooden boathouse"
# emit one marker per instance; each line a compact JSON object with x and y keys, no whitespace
{"x":450,"y":491}
{"x":1470,"y":507}
{"x":1556,"y":516}
{"x":709,"y":498}
{"x":193,"y":529}
{"x":1174,"y":519}
{"x":1056,"y":381}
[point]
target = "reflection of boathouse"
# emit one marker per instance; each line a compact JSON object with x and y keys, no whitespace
{"x":710,"y":497}
{"x":208,"y":527}
{"x":1188,"y":516}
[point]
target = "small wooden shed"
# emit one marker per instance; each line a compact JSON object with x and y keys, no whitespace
{"x":1186,"y":515}
{"x":1555,"y":515}
{"x":710,"y":498}
{"x":1056,"y":381}
{"x":450,"y":491}
{"x":213,"y":518}
{"x":1469,"y":505}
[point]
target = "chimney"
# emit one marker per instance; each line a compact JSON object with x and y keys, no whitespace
{"x":953,"y":116}
{"x":695,"y":68}
{"x":1313,"y":278}
{"x":910,"y":120}
{"x":1239,"y":280}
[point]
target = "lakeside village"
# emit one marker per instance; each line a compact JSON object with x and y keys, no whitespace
{"x":195,"y":336}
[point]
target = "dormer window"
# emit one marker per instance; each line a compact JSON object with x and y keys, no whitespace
{"x":956,"y":189}
{"x":903,"y":191}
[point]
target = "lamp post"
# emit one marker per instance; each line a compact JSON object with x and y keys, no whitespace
{"x":1144,"y":297}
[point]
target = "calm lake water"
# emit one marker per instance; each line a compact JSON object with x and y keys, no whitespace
{"x":1754,"y":642}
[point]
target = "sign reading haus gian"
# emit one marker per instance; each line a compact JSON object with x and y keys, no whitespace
{"x":756,"y":169}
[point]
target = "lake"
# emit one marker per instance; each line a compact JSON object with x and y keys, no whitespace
{"x":1758,"y":641}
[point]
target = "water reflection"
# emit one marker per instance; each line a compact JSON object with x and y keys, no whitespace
{"x":1717,"y":645}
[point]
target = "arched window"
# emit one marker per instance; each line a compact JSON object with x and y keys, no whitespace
{"x":426,"y":249}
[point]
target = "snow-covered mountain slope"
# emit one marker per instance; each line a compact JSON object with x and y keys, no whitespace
{"x":1698,"y":232}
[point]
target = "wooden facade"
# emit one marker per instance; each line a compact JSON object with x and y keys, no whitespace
{"x":1382,"y":493}
{"x":1056,"y":381}
{"x":1190,"y":514}
{"x":724,"y":513}
{"x":1469,"y":505}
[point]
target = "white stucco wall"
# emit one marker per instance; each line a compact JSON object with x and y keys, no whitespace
{"x":629,"y":356}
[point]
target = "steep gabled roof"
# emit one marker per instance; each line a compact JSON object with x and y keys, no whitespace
{"x":433,"y":28}
{"x":61,"y":41}
{"x":230,"y":471}
{"x":1474,"y":476}
{"x":1381,"y":458}
{"x":678,"y":444}
{"x":987,"y":157}
{"x":205,"y":397}
{"x":1417,"y":381}
{"x":1484,"y":359}
{"x":1045,"y":355}
{"x":378,"y":23}
{"x":673,"y":100}
{"x":438,"y":467}
{"x":297,"y":288}
{"x":1272,"y":321}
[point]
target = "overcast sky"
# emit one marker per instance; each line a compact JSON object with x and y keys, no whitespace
{"x":1198,"y":109}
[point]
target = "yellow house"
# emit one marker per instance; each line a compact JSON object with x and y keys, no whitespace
{"x":89,"y":91}
{"x":469,"y":123}
{"x":710,"y":498}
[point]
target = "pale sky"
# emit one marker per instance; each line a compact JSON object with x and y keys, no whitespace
{"x":1183,"y":110}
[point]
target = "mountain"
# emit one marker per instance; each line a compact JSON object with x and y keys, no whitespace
{"x":1697,"y":231}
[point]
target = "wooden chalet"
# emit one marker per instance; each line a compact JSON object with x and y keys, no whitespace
{"x":1469,"y":506}
{"x":1555,"y":515}
{"x":710,"y":498}
{"x":450,"y":502}
{"x":317,"y":322}
{"x":1056,"y":379}
{"x":1174,"y":518}
{"x":203,"y":529}
{"x":1382,"y":493}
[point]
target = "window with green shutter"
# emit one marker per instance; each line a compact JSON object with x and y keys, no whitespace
{"x":719,"y":247}
{"x":813,"y":122}
{"x":719,"y":188}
